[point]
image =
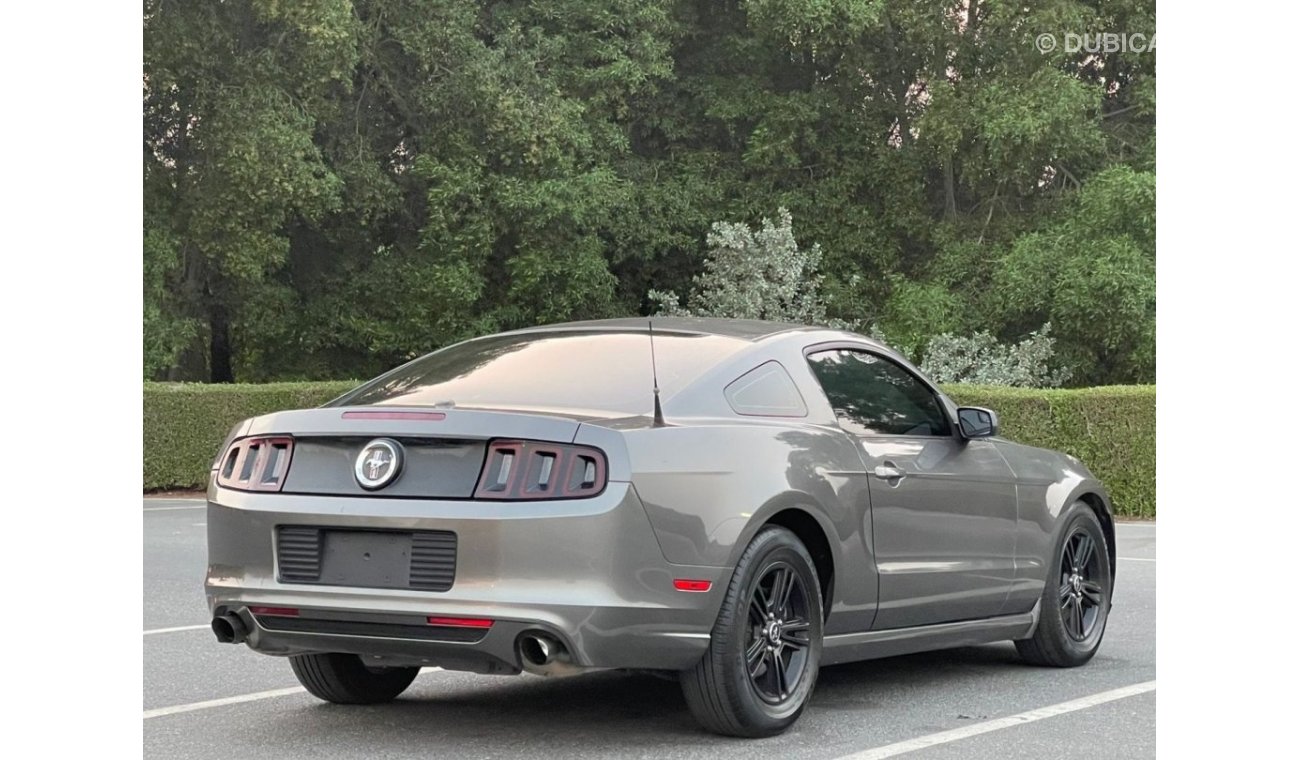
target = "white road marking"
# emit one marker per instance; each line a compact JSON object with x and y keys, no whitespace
{"x":203,"y":627}
{"x":192,"y":706}
{"x":255,"y":696}
{"x":169,"y":509}
{"x":957,"y":734}
{"x":1138,"y":559}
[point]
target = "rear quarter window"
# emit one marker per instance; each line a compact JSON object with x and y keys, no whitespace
{"x":766,"y":391}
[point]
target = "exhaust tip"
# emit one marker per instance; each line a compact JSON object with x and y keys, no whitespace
{"x":229,"y":629}
{"x":543,"y":654}
{"x":537,"y":650}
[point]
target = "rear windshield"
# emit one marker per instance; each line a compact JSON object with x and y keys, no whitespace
{"x":581,"y":372}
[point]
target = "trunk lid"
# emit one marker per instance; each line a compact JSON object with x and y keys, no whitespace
{"x":444,"y":448}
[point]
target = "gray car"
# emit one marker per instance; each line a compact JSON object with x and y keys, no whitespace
{"x":734,"y":502}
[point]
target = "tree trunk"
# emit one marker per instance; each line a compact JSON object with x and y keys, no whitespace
{"x":219,"y":357}
{"x":192,"y":364}
{"x":949,"y":191}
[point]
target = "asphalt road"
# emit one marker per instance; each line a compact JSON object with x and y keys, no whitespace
{"x":202,"y":699}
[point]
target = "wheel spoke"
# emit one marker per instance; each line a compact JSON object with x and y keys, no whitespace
{"x":1085,"y":551}
{"x":774,"y":595}
{"x":754,"y":656}
{"x":770,"y":594}
{"x":795,"y":634}
{"x":1078,"y":617}
{"x":779,"y":668}
{"x":1092,"y":593}
{"x":763,"y":598}
{"x":1065,"y":594}
{"x":769,"y":672}
{"x":781,"y":589}
{"x":1068,"y":560}
{"x":757,"y":616}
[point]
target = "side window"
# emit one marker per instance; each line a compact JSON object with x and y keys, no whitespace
{"x":766,"y":390}
{"x":874,"y":396}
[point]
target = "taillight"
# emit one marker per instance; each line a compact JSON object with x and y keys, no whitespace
{"x":225,"y":445}
{"x":516,"y":470}
{"x":256,"y":464}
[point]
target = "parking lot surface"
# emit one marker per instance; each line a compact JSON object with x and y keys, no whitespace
{"x":203,"y":699}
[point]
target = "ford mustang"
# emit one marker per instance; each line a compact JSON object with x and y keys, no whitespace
{"x":735,"y":503}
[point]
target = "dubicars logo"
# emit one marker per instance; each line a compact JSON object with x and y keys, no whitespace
{"x":378,"y":463}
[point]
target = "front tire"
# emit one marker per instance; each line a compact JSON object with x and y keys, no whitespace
{"x":761,"y":665}
{"x":345,"y":680}
{"x":1076,"y":597}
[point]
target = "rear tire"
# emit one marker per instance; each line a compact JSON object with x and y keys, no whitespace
{"x":345,"y":680}
{"x":761,"y":665}
{"x":1076,"y":597}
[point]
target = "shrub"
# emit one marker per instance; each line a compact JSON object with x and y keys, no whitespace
{"x":752,"y":274}
{"x":982,"y":360}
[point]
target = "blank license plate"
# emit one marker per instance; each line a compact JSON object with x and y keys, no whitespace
{"x":366,"y":558}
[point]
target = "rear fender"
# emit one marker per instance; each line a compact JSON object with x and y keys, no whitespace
{"x":709,"y":488}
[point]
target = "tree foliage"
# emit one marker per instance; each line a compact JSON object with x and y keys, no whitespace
{"x":333,"y":186}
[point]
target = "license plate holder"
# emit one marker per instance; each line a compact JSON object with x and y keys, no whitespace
{"x":371,"y":559}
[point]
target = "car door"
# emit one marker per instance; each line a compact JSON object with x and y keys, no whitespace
{"x":943,"y":509}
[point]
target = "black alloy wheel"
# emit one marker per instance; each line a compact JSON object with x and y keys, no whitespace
{"x":760,"y":667}
{"x":1076,"y":595}
{"x":1080,"y":589}
{"x":776,"y":649}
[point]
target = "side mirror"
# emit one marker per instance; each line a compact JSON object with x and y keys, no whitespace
{"x":977,"y":422}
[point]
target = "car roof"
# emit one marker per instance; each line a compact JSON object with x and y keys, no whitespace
{"x":744,"y":329}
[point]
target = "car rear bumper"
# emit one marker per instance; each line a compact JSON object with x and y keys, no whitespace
{"x":587,"y":572}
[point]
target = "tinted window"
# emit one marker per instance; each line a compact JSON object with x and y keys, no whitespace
{"x":874,"y":396}
{"x":584,"y":372}
{"x":766,"y":390}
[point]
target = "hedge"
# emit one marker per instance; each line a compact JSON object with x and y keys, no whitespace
{"x":185,"y":423}
{"x":1112,"y":429}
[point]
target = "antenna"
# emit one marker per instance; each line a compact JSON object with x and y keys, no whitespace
{"x":654,"y":374}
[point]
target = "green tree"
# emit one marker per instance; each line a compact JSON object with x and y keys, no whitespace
{"x":1092,"y":274}
{"x":231,"y":97}
{"x":333,"y":186}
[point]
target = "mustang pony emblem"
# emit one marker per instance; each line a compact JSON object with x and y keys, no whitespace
{"x":378,"y":464}
{"x":376,"y":461}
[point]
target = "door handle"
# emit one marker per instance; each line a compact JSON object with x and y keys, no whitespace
{"x":888,"y":472}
